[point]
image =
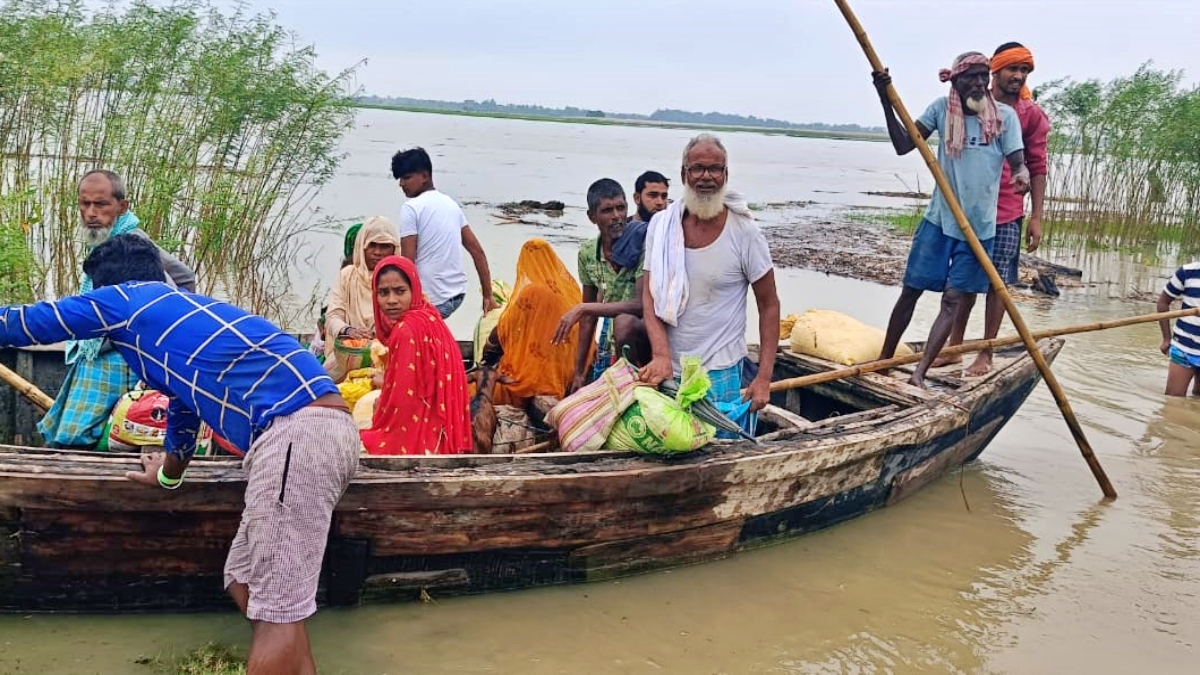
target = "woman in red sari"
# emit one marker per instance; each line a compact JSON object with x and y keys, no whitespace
{"x":423,"y":406}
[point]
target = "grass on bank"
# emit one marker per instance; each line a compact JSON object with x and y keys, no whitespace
{"x":901,"y":220}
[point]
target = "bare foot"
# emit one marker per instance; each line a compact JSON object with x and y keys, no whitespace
{"x":982,"y":365}
{"x":917,"y":381}
{"x":946,"y":360}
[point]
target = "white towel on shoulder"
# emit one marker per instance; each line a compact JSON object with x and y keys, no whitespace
{"x":667,"y":261}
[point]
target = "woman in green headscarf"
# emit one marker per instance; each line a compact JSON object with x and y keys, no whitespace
{"x":348,"y":244}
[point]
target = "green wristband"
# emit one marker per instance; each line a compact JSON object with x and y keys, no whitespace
{"x":168,"y":483}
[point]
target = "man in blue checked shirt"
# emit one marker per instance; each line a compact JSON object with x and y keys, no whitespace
{"x":254,"y":385}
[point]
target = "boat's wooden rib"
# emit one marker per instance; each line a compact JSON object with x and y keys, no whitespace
{"x":76,"y":535}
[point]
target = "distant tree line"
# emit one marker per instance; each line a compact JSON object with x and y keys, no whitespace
{"x":664,"y":115}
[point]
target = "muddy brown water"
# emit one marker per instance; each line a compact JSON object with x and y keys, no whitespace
{"x":1012,"y":565}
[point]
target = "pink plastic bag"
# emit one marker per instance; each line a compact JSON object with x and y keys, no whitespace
{"x":584,"y":418}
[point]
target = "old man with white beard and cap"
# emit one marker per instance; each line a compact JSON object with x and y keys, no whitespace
{"x":97,"y":376}
{"x":703,"y":254}
{"x":978,"y":135}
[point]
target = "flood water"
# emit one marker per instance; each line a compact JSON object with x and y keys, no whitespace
{"x":1012,"y":565}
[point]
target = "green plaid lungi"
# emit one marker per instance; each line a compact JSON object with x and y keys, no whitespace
{"x":83,"y":405}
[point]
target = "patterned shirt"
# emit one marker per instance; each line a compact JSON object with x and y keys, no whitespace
{"x":215,"y":362}
{"x":1185,"y":284}
{"x":612,"y":285}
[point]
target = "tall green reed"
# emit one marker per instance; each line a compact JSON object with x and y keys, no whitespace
{"x":1125,"y":162}
{"x":223,"y":127}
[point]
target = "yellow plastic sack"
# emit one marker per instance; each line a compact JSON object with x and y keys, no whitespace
{"x":785,"y":326}
{"x":500,"y":292}
{"x":833,"y":336}
{"x":356,"y":385}
{"x":364,"y":410}
{"x":379,"y":352}
{"x":484,"y":328}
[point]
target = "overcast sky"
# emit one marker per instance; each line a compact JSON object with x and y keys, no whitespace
{"x":789,"y":59}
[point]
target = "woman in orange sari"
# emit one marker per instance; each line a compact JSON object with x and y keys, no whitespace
{"x":524,"y":336}
{"x":423,"y":406}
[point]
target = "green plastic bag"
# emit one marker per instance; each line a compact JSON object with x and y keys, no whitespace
{"x":655,"y":424}
{"x":694,"y":382}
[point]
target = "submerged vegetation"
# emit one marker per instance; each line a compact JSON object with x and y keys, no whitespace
{"x":208,"y":659}
{"x":223,"y":128}
{"x":1125,"y":162}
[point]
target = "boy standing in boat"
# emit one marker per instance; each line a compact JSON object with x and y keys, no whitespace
{"x":703,"y":254}
{"x":433,"y":232}
{"x":610,"y":291}
{"x":977,"y":136}
{"x":254,"y":385}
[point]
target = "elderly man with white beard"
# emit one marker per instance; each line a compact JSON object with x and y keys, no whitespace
{"x":97,"y":376}
{"x":978,"y":134}
{"x":703,"y":253}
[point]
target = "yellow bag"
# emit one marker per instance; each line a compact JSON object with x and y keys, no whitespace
{"x":356,"y":385}
{"x":785,"y":326}
{"x":379,"y":353}
{"x":833,"y":336}
{"x":484,"y":328}
{"x":364,"y":409}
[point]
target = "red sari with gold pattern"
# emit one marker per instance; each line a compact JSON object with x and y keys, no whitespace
{"x":423,"y":408}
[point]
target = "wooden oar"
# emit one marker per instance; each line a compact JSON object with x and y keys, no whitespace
{"x":972,"y":346}
{"x":26,"y":388}
{"x":1060,"y":397}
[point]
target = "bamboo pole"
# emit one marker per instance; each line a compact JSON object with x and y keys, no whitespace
{"x":971,"y":346}
{"x":1060,"y":397}
{"x":26,"y":388}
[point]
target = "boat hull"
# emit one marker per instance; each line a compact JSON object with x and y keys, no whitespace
{"x":75,"y":535}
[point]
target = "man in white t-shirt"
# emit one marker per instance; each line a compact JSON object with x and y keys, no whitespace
{"x":433,"y":232}
{"x":703,"y":255}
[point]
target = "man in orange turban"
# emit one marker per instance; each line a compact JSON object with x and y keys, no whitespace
{"x":1010,"y":65}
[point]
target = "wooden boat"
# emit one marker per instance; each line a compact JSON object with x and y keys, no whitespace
{"x":76,"y":535}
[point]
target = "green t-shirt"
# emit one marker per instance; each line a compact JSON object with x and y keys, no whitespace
{"x":612,"y":285}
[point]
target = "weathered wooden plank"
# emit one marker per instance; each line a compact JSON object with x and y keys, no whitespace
{"x":757,"y":490}
{"x":610,"y":559}
{"x":10,"y":551}
{"x":751,"y":499}
{"x":96,"y":556}
{"x":912,"y":480}
{"x":220,"y":489}
{"x":24,"y":415}
{"x":117,"y":493}
{"x":56,"y":523}
{"x":568,"y":524}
